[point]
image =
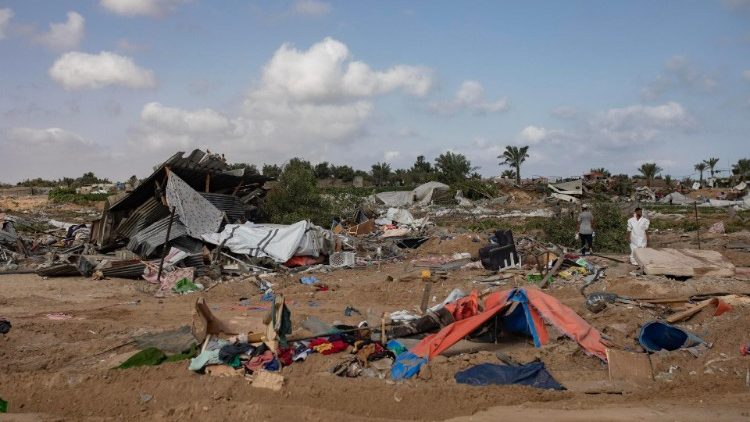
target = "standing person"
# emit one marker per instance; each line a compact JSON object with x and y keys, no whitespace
{"x":637,"y":233}
{"x":586,"y":229}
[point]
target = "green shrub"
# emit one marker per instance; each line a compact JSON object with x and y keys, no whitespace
{"x":610,"y":228}
{"x":295,"y":197}
{"x":69,"y":195}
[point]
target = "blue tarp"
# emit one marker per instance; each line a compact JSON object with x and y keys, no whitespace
{"x":533,"y":374}
{"x":657,"y":335}
{"x":407,"y":365}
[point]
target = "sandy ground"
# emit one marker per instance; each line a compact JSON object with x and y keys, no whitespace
{"x":61,"y":369}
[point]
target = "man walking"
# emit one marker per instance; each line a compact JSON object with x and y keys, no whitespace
{"x":586,"y":229}
{"x":637,"y":233}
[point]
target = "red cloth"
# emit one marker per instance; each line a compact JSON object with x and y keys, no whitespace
{"x":303,"y":261}
{"x":326,"y":347}
{"x":285,"y":355}
{"x":257,"y":362}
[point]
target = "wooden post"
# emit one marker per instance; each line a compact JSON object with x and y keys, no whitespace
{"x":165,"y":248}
{"x":698,"y":227}
{"x":208,"y":181}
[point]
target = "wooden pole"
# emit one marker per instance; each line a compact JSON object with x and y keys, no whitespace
{"x":698,"y":227}
{"x":165,"y":248}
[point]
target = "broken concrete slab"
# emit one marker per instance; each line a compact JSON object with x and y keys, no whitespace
{"x":683,"y":262}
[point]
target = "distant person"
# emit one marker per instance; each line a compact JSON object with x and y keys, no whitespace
{"x":586,"y":229}
{"x":637,"y":233}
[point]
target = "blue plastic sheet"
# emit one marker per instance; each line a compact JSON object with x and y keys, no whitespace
{"x":657,"y":335}
{"x":406,"y":366}
{"x":532,"y":374}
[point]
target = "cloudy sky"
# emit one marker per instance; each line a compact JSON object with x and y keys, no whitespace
{"x":116,"y":86}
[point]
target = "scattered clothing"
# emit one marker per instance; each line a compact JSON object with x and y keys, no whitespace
{"x":533,"y":374}
{"x":207,"y":357}
{"x":146,"y":357}
{"x":309,"y":280}
{"x":259,"y":362}
{"x":229,"y":352}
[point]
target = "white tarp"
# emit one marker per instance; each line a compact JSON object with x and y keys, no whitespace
{"x":396,"y":198}
{"x":676,"y":198}
{"x":741,"y":186}
{"x":565,"y":198}
{"x":574,"y":187}
{"x":275,"y":241}
{"x":423,"y":193}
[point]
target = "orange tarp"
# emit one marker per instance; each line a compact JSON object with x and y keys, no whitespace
{"x":542,"y":307}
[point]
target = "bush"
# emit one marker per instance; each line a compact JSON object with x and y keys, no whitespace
{"x":610,"y":228}
{"x":295,"y":197}
{"x":68,"y":195}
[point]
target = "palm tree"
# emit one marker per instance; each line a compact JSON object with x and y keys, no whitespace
{"x":514,"y":157}
{"x":742,"y":169}
{"x":701,"y":167}
{"x":380,"y":173}
{"x":649,"y":171}
{"x":711,"y":163}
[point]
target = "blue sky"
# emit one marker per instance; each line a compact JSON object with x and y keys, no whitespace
{"x":116,"y":86}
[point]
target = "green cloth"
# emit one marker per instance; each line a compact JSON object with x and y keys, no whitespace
{"x":185,"y":286}
{"x":146,"y":357}
{"x":153,"y":356}
{"x":3,"y":406}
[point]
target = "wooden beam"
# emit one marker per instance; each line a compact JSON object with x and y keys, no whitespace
{"x":208,"y":181}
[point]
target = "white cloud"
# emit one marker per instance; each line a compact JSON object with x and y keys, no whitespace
{"x":533,"y":134}
{"x":305,"y":103}
{"x":680,"y":75}
{"x":5,"y":16}
{"x":326,"y":72}
{"x":470,"y":96}
{"x":54,"y":138}
{"x":46,"y":152}
{"x":76,"y":70}
{"x":64,"y":36}
{"x":311,"y":7}
{"x":391,"y":155}
{"x":639,"y":123}
{"x":153,"y":8}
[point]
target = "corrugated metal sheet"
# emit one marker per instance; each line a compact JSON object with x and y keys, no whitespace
{"x":230,"y":204}
{"x":125,"y":269}
{"x":148,"y":213}
{"x":147,"y":241}
{"x":196,"y":261}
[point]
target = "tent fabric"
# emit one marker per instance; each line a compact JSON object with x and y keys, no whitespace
{"x":656,"y":336}
{"x":423,"y":193}
{"x":197,"y":214}
{"x":677,"y":198}
{"x":396,"y":199}
{"x":538,"y":306}
{"x":533,"y":374}
{"x":277,"y":242}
